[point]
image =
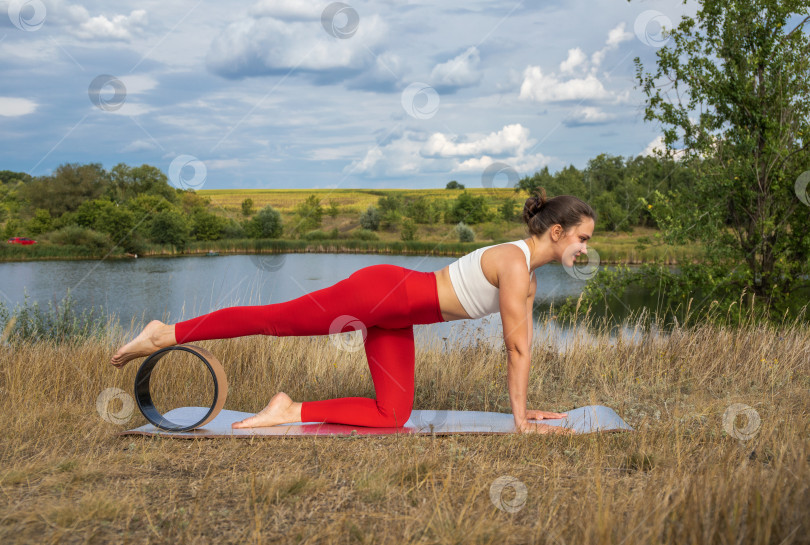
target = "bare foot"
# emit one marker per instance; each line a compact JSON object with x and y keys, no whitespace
{"x":280,"y":410}
{"x":153,"y":337}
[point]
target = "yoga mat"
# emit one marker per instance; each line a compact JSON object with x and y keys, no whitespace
{"x":593,"y":418}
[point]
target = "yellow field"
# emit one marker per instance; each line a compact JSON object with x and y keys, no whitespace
{"x":350,"y":200}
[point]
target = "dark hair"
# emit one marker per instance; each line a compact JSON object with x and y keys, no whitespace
{"x":540,"y":213}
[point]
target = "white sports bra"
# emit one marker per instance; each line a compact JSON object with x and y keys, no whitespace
{"x":474,"y":292}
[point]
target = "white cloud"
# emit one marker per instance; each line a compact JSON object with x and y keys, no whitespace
{"x":120,"y":27}
{"x":576,"y":57}
{"x":399,"y":157}
{"x":14,"y":107}
{"x":265,"y":45}
{"x":657,"y":146}
{"x":548,"y":88}
{"x":139,"y":145}
{"x":412,"y":153}
{"x":511,"y":139}
{"x":214,"y":164}
{"x":585,"y":115}
{"x":460,"y":71}
{"x":295,"y":10}
{"x":78,"y":21}
{"x":524,"y":164}
{"x":132,"y":108}
{"x":616,"y":36}
{"x":138,"y":83}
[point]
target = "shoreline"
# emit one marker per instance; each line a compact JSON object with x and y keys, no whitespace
{"x":274,"y":246}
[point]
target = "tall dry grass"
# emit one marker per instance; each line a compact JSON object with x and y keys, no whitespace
{"x":680,"y":478}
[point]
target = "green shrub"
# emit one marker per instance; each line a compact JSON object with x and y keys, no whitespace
{"x":318,"y":234}
{"x":265,"y":224}
{"x":464,"y":233}
{"x":370,"y":219}
{"x":364,"y":234}
{"x":468,"y":208}
{"x":74,"y":235}
{"x":492,"y":231}
{"x":408,"y":231}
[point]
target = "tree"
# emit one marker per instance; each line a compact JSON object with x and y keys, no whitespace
{"x":309,"y":215}
{"x":452,"y":184}
{"x":507,"y":210}
{"x":265,"y":224}
{"x":390,"y":203}
{"x":40,"y":223}
{"x":610,"y":215}
{"x":464,"y":233}
{"x":419,"y":210}
{"x":247,"y":207}
{"x":128,"y":182}
{"x":408,"y":231}
{"x":191,"y":201}
{"x":170,"y":227}
{"x":469,"y":209}
{"x":68,"y":187}
{"x":370,"y":219}
{"x":542,"y":178}
{"x":207,"y":226}
{"x":144,"y":208}
{"x":740,"y":106}
{"x":333,"y":209}
{"x":107,"y":217}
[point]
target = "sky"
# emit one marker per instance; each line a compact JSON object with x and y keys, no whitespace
{"x":305,"y":94}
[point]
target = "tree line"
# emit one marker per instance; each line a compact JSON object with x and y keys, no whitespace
{"x":128,"y":207}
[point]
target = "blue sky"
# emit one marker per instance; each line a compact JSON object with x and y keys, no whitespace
{"x":302,"y":94}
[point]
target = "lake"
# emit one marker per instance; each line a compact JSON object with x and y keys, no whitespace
{"x":176,"y":288}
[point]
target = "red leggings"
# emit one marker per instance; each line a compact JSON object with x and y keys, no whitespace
{"x":385,"y":300}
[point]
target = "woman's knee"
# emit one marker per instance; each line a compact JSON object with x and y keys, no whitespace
{"x":396,"y":415}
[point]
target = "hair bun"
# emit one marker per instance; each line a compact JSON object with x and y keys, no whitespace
{"x":537,"y":201}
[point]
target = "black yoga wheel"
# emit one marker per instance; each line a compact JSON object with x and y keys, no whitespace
{"x":144,"y":397}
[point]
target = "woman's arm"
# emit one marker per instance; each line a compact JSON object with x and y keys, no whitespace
{"x":513,"y":278}
{"x":530,"y":307}
{"x":518,"y":327}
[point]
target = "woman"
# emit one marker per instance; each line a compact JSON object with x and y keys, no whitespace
{"x":387,"y":300}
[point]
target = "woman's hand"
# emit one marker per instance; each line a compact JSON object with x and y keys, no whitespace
{"x":544,"y":415}
{"x":534,"y":427}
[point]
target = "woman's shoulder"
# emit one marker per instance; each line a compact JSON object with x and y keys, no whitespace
{"x":508,"y":255}
{"x":506,"y":250}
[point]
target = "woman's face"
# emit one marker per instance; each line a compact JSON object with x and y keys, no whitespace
{"x":573,"y":242}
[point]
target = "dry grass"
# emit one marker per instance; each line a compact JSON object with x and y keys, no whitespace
{"x":66,"y":477}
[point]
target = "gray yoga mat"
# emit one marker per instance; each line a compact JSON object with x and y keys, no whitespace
{"x":593,"y":418}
